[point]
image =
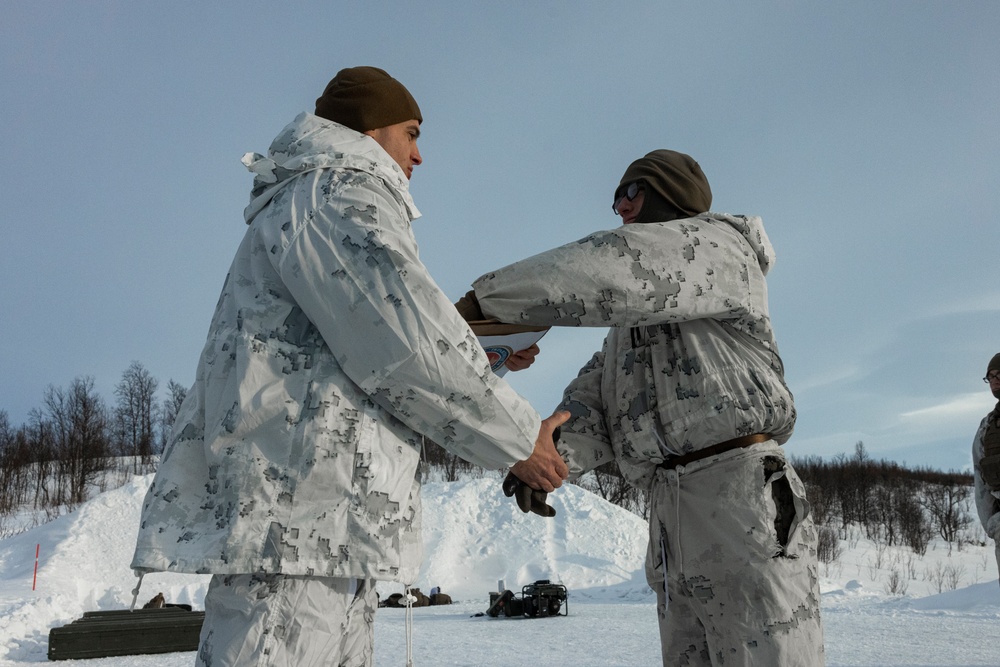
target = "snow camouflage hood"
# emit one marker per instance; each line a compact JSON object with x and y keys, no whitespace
{"x":304,"y":145}
{"x":752,"y":229}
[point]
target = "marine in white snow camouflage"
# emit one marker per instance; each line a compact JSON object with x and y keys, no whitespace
{"x":330,"y":354}
{"x":689,"y":361}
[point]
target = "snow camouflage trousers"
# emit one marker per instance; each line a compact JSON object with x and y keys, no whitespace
{"x":734,"y":536}
{"x":276,"y":620}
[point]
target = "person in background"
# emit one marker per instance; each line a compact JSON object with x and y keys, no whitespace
{"x":986,"y":460}
{"x":688,"y":397}
{"x":291,"y":471}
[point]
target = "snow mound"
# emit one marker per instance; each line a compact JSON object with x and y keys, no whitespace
{"x":473,"y":537}
{"x":983,"y":598}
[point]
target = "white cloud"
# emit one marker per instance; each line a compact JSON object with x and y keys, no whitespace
{"x":827,"y":377}
{"x":975,"y":303}
{"x":965,"y":407}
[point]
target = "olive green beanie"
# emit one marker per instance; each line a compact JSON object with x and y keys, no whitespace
{"x":366,"y":98}
{"x":994,"y":364}
{"x":676,"y":186}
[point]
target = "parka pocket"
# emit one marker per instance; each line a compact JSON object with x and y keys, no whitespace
{"x":787,"y":508}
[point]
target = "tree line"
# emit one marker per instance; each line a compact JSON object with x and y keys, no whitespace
{"x":850,"y":497}
{"x":78,"y":444}
{"x":890,"y":504}
{"x":68,"y":447}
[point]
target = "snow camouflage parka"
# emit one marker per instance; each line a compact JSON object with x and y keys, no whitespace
{"x":331,"y":351}
{"x":690,"y":359}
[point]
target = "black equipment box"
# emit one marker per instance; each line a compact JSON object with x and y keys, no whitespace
{"x":540,"y":599}
{"x":101,"y":634}
{"x":544,"y":598}
{"x":506,"y":604}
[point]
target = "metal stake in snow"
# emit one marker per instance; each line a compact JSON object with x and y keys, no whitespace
{"x":34,"y":578}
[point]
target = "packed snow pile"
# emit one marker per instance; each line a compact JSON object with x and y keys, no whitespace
{"x":473,"y":536}
{"x":881,"y":606}
{"x":83,"y":565}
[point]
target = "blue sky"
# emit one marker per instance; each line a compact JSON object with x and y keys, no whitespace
{"x":865,"y":133}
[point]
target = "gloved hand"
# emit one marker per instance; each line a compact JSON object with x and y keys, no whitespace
{"x":468,"y":307}
{"x":528,"y":499}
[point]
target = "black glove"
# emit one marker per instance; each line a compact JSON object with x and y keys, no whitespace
{"x":528,"y":499}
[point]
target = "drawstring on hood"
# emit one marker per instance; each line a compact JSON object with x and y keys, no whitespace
{"x":304,"y":145}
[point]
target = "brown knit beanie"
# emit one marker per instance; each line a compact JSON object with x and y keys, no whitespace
{"x":672,"y":179}
{"x":994,"y":364}
{"x":366,"y":98}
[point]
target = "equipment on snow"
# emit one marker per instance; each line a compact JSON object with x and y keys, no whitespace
{"x":537,"y":600}
{"x":101,"y":634}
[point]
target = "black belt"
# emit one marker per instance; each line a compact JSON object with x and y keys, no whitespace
{"x":736,"y":443}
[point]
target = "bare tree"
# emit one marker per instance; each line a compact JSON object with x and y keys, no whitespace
{"x":451,"y":465}
{"x":135,"y":414}
{"x":42,"y":442}
{"x":14,"y":462}
{"x":78,"y":420}
{"x":913,"y":523}
{"x":176,"y":393}
{"x":946,"y":505}
{"x":608,"y":482}
{"x":828,"y":548}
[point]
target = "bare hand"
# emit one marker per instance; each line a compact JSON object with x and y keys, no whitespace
{"x":545,"y":469}
{"x":522,"y":358}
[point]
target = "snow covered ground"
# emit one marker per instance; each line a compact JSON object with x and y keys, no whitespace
{"x":474,"y":537}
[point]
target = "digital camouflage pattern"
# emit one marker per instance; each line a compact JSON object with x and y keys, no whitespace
{"x":733,"y":544}
{"x":286,"y":621}
{"x":330,"y":353}
{"x":690,"y":359}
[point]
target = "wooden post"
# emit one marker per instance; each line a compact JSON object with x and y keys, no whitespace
{"x":34,"y":578}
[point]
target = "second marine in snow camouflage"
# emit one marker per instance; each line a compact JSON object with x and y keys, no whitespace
{"x":688,"y":396}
